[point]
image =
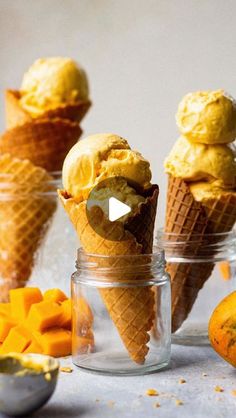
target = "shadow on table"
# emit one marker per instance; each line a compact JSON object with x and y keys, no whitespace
{"x":59,"y":411}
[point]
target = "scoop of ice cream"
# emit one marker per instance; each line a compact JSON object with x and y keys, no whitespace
{"x":208,"y":117}
{"x":200,"y":162}
{"x":203,"y":191}
{"x":99,"y":157}
{"x":50,"y":82}
{"x":119,"y":189}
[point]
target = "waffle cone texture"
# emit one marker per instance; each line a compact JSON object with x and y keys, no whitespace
{"x":131,"y":309}
{"x":16,"y":115}
{"x":186,"y":216}
{"x":25,"y":212}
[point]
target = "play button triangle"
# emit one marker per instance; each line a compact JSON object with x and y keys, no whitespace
{"x":117,"y":209}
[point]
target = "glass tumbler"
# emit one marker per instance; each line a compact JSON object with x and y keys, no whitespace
{"x":203,"y":272}
{"x":121,"y":313}
{"x":36,"y":239}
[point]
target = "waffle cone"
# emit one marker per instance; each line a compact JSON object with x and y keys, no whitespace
{"x":25,"y":212}
{"x":44,"y":142}
{"x":131,"y":309}
{"x":16,"y":115}
{"x":186,"y":216}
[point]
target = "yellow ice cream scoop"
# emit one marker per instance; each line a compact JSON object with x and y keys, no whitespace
{"x":207,"y":117}
{"x":200,"y":162}
{"x":99,"y":157}
{"x":50,"y":82}
{"x":203,"y":191}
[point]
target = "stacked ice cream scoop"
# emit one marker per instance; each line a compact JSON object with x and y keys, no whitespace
{"x":89,"y":162}
{"x":201,"y":196}
{"x":42,"y":121}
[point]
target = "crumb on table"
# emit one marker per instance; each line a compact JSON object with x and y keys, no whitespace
{"x":66,"y":369}
{"x":181,"y":381}
{"x":219,"y":389}
{"x":178,"y":402}
{"x":152,"y":392}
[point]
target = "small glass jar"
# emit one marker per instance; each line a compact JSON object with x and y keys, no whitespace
{"x":36,"y":239}
{"x":201,"y":276}
{"x":121,"y":313}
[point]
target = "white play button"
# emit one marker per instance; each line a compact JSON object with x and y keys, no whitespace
{"x":117,"y":209}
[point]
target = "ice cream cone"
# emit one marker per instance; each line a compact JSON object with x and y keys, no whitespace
{"x":25,"y":212}
{"x":44,"y":142}
{"x":16,"y":115}
{"x":189,"y":218}
{"x":131,"y":309}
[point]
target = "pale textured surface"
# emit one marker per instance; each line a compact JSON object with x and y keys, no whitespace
{"x":77,"y":392}
{"x":141,"y":58}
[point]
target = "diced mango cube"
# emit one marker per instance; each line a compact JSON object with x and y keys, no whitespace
{"x":6,"y":323}
{"x":65,"y":321}
{"x":44,"y":315}
{"x":55,"y":342}
{"x":5,"y":309}
{"x":54,"y":295}
{"x":18,"y":339}
{"x":34,"y":348}
{"x":22,"y":299}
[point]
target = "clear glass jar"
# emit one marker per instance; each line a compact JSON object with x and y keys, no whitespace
{"x":121,"y":313}
{"x":197,"y":281}
{"x":36,"y":239}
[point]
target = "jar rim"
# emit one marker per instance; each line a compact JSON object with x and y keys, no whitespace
{"x":198,"y":248}
{"x":9,"y":188}
{"x":119,"y":270}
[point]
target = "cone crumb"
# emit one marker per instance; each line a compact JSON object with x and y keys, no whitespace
{"x":233,"y":392}
{"x":156,"y":405}
{"x":97,"y":400}
{"x":152,"y":392}
{"x":219,"y":389}
{"x":181,"y":381}
{"x":204,"y":374}
{"x":178,"y":402}
{"x":66,"y":369}
{"x":110,"y":404}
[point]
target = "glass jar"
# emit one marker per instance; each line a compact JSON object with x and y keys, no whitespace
{"x":36,"y":239}
{"x":121,"y":313}
{"x":198,"y":281}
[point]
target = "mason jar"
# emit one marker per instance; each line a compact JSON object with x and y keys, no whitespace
{"x":37,"y":242}
{"x":201,"y":276}
{"x":121,"y":313}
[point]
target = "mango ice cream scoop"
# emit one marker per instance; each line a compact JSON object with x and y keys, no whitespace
{"x":50,"y":82}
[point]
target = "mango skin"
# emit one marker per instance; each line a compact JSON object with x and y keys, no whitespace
{"x":222,"y":329}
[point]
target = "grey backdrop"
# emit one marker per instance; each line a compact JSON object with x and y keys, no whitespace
{"x":141,"y":56}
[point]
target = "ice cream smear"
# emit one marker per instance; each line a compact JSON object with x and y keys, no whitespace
{"x":204,"y":155}
{"x":101,"y":157}
{"x":50,"y":82}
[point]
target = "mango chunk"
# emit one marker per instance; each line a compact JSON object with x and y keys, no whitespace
{"x":66,"y":307}
{"x":18,"y":339}
{"x":5,"y":309}
{"x":55,"y":342}
{"x":44,"y":315}
{"x":6,"y":324}
{"x":54,"y":295}
{"x":34,"y":348}
{"x":22,"y":299}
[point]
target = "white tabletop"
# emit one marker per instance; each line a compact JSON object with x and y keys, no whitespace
{"x":81,"y":394}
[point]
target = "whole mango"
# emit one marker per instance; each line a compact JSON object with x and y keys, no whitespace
{"x":222,"y":329}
